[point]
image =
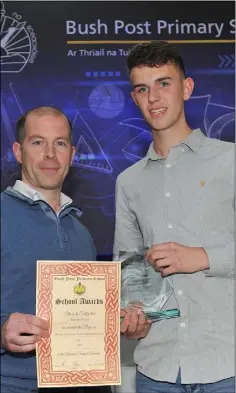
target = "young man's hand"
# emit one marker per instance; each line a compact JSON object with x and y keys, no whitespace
{"x":170,"y":258}
{"x":134,"y":324}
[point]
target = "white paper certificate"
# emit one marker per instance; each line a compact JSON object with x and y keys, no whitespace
{"x":81,"y":300}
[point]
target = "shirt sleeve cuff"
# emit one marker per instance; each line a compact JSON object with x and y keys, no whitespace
{"x":221,"y":262}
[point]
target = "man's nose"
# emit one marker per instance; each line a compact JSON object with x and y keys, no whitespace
{"x":50,"y":151}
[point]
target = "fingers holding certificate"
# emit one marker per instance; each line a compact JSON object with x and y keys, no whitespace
{"x":81,"y":301}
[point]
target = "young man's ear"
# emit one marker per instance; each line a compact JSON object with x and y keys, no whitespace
{"x":188,"y":88}
{"x":16,"y":147}
{"x":133,"y":97}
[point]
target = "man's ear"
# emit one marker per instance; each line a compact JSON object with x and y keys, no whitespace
{"x":72,"y":154}
{"x":16,"y":147}
{"x":188,"y":88}
{"x":133,"y":98}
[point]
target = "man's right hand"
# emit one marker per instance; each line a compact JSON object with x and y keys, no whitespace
{"x":20,"y":332}
{"x":134,"y":323}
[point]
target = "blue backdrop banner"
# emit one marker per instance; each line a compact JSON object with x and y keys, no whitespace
{"x":72,"y":55}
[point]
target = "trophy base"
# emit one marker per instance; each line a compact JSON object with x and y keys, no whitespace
{"x":156,"y":316}
{"x":165,"y":314}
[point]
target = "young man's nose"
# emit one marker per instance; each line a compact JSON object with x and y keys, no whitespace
{"x":154,"y":94}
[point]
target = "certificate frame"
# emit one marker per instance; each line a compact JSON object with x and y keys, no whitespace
{"x":110,"y":272}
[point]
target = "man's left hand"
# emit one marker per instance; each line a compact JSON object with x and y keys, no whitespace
{"x":170,"y":258}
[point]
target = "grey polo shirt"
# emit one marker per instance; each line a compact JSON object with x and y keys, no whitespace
{"x":187,"y":198}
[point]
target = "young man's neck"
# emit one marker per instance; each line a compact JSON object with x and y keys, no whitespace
{"x":166,"y":139}
{"x":52,"y":197}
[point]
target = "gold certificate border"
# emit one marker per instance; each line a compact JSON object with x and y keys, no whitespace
{"x":47,"y":377}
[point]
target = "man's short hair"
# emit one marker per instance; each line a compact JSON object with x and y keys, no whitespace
{"x":40,"y":110}
{"x":154,"y":54}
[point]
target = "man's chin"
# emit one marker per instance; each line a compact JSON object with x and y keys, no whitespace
{"x":51,"y":186}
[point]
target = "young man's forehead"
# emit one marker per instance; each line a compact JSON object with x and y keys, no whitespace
{"x":151,"y":70}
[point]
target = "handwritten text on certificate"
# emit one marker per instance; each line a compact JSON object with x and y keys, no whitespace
{"x":81,"y":300}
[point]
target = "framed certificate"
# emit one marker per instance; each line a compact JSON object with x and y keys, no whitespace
{"x":81,"y":301}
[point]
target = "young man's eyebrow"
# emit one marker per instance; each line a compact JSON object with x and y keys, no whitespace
{"x":140,"y":85}
{"x":163,"y":78}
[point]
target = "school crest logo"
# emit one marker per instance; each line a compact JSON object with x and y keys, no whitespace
{"x":18,"y":42}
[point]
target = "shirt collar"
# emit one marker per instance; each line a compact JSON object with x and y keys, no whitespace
{"x":193,"y":141}
{"x":35,"y":195}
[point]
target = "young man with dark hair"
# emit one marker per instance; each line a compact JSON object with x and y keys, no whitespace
{"x":38,"y":222}
{"x":179,"y":202}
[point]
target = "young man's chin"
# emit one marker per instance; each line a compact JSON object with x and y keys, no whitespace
{"x":159,"y":125}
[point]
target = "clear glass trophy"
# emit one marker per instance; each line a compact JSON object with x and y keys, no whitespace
{"x":144,"y":288}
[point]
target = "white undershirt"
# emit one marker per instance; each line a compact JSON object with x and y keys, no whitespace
{"x":35,"y":195}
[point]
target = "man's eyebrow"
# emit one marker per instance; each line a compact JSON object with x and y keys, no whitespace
{"x":36,"y":136}
{"x":163,"y":78}
{"x":41,"y":137}
{"x":63,"y":137}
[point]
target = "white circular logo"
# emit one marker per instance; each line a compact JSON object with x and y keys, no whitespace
{"x":18,"y":43}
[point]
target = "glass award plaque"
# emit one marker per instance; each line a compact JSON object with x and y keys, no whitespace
{"x":144,"y":288}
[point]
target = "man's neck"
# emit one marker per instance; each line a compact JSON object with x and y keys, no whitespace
{"x":52,"y":197}
{"x":166,"y":139}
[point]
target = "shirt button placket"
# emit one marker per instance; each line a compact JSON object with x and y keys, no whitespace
{"x":168,"y":194}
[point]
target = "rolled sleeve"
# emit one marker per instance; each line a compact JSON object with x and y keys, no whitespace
{"x":128,"y":236}
{"x":221,"y":261}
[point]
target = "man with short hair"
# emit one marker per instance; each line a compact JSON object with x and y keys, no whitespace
{"x":178,"y":201}
{"x":39,"y":222}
